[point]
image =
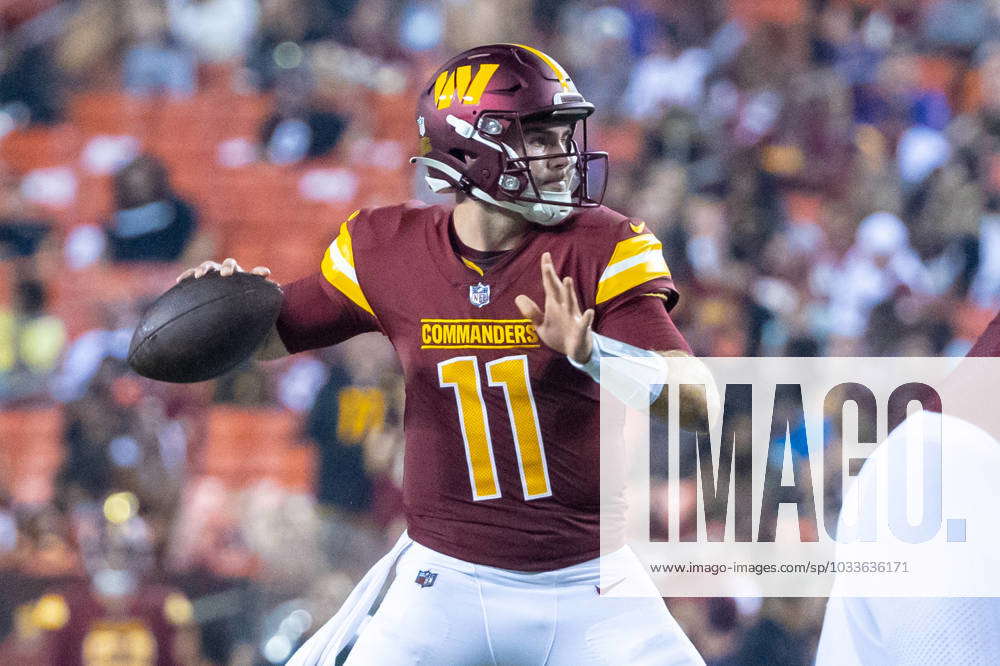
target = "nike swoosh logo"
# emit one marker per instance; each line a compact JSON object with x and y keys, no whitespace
{"x":637,"y":228}
{"x":609,"y":587}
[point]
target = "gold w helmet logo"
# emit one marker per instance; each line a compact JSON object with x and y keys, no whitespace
{"x":461,"y":83}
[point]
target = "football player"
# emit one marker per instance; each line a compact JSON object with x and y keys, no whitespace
{"x":933,"y":630}
{"x":119,"y":614}
{"x":500,"y":309}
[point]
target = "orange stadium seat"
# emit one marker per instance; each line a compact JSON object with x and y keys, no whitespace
{"x":40,"y":147}
{"x":393,"y":117}
{"x":244,"y":446}
{"x":94,"y":200}
{"x":754,"y":12}
{"x":30,"y":452}
{"x":110,"y":113}
{"x":79,"y":297}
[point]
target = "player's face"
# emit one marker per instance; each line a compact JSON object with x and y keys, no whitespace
{"x":553,"y":174}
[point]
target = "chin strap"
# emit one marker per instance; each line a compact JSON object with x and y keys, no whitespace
{"x":636,"y":377}
{"x":540,"y":213}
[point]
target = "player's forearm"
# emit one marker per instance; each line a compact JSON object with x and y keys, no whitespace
{"x":637,"y":373}
{"x":699,"y":394}
{"x":272,"y":348}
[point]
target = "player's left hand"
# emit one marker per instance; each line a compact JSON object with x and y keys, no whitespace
{"x":561,"y":326}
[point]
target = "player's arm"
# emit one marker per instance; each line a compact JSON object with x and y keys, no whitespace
{"x":640,"y":318}
{"x":314,"y":312}
{"x":564,"y":328}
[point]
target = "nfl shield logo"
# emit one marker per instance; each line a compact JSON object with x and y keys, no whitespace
{"x":425,"y":578}
{"x":479,"y":294}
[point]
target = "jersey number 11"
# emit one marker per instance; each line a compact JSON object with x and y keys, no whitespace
{"x":510,"y":374}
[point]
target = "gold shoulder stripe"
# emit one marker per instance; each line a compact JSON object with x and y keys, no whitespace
{"x":338,"y":269}
{"x":636,"y":245}
{"x":635,"y":261}
{"x":472,"y":265}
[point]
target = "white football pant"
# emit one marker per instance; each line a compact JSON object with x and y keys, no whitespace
{"x":463,"y":614}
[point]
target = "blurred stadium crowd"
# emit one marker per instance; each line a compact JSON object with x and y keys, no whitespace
{"x":825,"y":176}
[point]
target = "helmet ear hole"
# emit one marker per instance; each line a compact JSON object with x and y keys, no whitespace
{"x":459,"y":155}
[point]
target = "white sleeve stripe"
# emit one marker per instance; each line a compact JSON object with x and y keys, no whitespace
{"x":614,"y":269}
{"x":341,"y":264}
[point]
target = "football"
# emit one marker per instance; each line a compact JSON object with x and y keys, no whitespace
{"x":202,"y":328}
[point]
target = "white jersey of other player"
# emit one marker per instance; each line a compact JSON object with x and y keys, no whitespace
{"x":943,"y":630}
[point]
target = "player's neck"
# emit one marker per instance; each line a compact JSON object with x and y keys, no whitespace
{"x":487,"y":228}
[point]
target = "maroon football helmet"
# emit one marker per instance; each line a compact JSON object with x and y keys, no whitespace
{"x":471,"y":117}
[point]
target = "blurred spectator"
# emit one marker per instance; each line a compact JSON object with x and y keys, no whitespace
{"x":87,"y":352}
{"x":958,"y":24}
{"x":151,"y":222}
{"x":22,"y":238}
{"x":985,"y":284}
{"x":119,"y":612}
{"x":45,"y":543}
{"x":23,"y":227}
{"x":285,"y":26}
{"x":31,"y":343}
{"x":153,"y":63}
{"x":92,"y":423}
{"x":29,"y":82}
{"x":356,"y":422}
{"x":299,"y":129}
{"x":246,"y":385}
{"x":214,"y":30}
{"x":784,"y":635}
{"x":346,"y":412}
{"x":669,"y":76}
{"x":880,"y":262}
{"x":600,"y":63}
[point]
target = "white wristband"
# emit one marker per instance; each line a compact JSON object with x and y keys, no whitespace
{"x":638,"y":377}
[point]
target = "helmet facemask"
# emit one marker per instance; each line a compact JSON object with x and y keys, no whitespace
{"x":583,"y":188}
{"x":505,"y":133}
{"x":500,"y":138}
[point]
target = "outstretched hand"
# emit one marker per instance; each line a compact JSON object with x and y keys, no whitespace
{"x":561,"y":326}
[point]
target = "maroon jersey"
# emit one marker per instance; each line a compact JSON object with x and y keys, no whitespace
{"x":139,"y":630}
{"x":502,"y":458}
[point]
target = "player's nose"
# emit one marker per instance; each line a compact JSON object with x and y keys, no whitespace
{"x":558,"y":163}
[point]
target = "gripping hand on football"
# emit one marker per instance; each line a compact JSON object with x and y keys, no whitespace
{"x":561,"y":326}
{"x":225,"y":269}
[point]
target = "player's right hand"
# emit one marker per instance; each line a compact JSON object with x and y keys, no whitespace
{"x":225,"y":269}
